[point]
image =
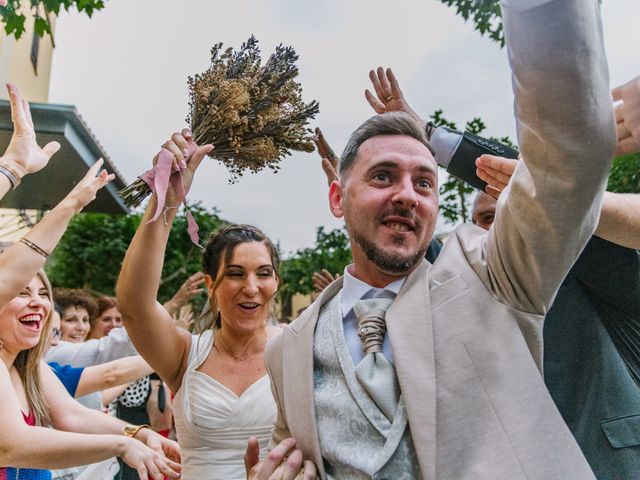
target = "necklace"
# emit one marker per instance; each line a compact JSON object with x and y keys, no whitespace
{"x":243,"y":354}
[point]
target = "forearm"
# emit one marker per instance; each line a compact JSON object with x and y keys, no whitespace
{"x":77,"y":418}
{"x":566,"y":135}
{"x":19,"y":263}
{"x":162,"y":344}
{"x":111,"y":374}
{"x":110,"y":394}
{"x":5,"y":186}
{"x":620,"y":219}
{"x":57,"y":449}
{"x":93,"y":352}
{"x":142,"y":265}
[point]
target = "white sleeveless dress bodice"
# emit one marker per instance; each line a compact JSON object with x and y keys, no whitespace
{"x":213,"y":424}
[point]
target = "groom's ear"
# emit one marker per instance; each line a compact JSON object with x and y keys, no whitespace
{"x":335,"y":199}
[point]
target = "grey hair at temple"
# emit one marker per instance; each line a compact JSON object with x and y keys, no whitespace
{"x":391,"y":123}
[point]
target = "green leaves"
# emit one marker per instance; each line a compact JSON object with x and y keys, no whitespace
{"x":14,"y":24}
{"x":485,"y":15}
{"x":92,"y":249}
{"x":14,"y":14}
{"x":624,"y":176}
{"x":42,"y":26}
{"x":331,"y":251}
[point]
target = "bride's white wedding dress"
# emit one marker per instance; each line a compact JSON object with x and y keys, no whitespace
{"x":213,"y":424}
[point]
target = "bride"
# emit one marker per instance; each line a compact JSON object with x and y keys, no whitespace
{"x":222,"y":390}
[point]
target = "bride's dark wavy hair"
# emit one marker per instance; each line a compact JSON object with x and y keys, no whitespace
{"x":220,"y":248}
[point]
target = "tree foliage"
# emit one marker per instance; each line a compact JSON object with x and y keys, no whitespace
{"x":485,"y":15}
{"x":13,"y":15}
{"x":624,"y":176}
{"x":91,"y":251}
{"x":331,"y":251}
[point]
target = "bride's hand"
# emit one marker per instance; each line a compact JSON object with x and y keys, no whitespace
{"x":187,"y":157}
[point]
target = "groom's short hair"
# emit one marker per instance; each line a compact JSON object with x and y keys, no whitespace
{"x":391,"y":123}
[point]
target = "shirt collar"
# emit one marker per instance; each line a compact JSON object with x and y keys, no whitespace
{"x":353,"y":290}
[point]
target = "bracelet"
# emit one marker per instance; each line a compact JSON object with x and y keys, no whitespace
{"x":34,"y":247}
{"x":13,"y":180}
{"x":132,"y":430}
{"x":14,"y":170}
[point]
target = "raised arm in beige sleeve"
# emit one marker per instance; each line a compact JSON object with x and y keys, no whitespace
{"x":566,"y":133}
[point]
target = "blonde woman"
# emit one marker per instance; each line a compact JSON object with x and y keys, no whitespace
{"x":32,"y":397}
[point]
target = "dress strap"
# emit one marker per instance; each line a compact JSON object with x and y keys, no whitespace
{"x":200,"y":347}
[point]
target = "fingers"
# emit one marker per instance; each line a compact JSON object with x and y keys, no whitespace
{"x":27,"y":113}
{"x":292,"y":466}
{"x":323,"y":147}
{"x":157,"y":467}
{"x":170,"y":468}
{"x":50,"y":149}
{"x":385,"y":87}
{"x":376,"y":104}
{"x":501,"y":164}
{"x":320,"y":142}
{"x":329,"y":171}
{"x":191,"y":285}
{"x":178,"y":162}
{"x":98,"y":177}
{"x":375,"y":82}
{"x":619,"y":113}
{"x":197,"y":277}
{"x":496,"y":171}
{"x":93,"y":169}
{"x":180,"y":141}
{"x":251,"y":454}
{"x":329,"y":158}
{"x":395,"y":86}
{"x":275,"y":456}
{"x":198,"y":156}
{"x":104,"y":177}
{"x":319,"y":283}
{"x":492,"y":191}
{"x":322,"y":279}
{"x":622,"y":131}
{"x":616,"y":93}
{"x":142,"y":472}
{"x":627,"y":145}
{"x":310,"y":472}
{"x":18,"y":115}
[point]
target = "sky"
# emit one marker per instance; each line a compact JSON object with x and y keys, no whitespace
{"x":126,"y":71}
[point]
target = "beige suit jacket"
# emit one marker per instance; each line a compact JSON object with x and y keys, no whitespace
{"x":466,"y":332}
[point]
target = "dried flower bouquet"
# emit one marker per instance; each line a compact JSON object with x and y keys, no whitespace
{"x":253,"y":114}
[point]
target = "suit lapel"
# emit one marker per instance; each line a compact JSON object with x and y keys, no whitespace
{"x":297,"y":381}
{"x":410,"y":330}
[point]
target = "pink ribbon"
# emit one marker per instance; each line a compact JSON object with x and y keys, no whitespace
{"x":158,"y":179}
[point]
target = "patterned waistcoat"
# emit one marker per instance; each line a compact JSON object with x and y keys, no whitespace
{"x":356,"y":439}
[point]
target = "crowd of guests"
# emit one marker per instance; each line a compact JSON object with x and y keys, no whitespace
{"x":402,"y":367}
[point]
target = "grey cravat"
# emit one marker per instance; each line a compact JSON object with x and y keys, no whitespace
{"x":374,"y":372}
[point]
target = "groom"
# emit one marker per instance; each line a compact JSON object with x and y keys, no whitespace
{"x":447,"y":381}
